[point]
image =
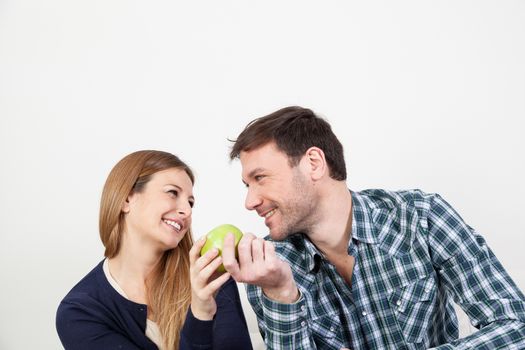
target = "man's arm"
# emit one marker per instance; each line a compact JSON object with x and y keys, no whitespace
{"x":281,"y":311}
{"x":282,"y":326}
{"x":476,"y":280}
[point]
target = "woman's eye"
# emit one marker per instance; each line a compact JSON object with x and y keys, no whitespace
{"x":174,"y":193}
{"x":191,"y":204}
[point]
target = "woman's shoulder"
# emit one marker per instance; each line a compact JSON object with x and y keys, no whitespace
{"x":87,"y":291}
{"x":97,"y":316}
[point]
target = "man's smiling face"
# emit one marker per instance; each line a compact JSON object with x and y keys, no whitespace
{"x":283,"y":195}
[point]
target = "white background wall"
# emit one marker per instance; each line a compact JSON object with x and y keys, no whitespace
{"x":422,"y":94}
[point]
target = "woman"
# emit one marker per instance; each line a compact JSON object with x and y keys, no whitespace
{"x":151,"y":292}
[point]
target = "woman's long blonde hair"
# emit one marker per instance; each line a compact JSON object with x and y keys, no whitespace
{"x":168,"y":286}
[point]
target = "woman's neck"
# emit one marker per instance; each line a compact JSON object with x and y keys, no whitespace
{"x":131,"y":267}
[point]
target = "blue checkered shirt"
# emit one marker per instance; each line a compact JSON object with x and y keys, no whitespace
{"x":413,"y":256}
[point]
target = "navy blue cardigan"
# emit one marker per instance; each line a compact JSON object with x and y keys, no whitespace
{"x":93,"y":315}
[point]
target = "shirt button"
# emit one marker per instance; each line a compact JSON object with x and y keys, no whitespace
{"x":302,"y":308}
{"x":364,"y":313}
{"x":332,"y":329}
{"x":303,"y":324}
{"x":398,"y":303}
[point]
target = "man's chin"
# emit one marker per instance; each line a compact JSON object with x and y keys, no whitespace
{"x":278,"y":235}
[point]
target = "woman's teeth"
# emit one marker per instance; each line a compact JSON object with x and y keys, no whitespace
{"x":173,"y":224}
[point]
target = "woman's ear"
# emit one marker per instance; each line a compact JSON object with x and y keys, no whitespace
{"x":316,"y":162}
{"x":125,"y":206}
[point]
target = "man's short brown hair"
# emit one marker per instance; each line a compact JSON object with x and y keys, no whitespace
{"x":294,"y":130}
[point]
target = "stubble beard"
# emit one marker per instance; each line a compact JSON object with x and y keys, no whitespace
{"x":298,"y":212}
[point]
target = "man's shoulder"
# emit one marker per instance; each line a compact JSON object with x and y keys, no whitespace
{"x":293,"y":249}
{"x":387,"y":199}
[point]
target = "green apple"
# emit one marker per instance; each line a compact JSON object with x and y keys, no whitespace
{"x":215,"y":239}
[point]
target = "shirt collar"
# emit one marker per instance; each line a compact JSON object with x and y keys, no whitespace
{"x":307,"y":253}
{"x":363,"y":229}
{"x":373,"y":222}
{"x":385,"y":218}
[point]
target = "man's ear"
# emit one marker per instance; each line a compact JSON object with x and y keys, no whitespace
{"x":316,"y":162}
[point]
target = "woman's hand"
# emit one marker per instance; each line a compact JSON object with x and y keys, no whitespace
{"x":205,"y":281}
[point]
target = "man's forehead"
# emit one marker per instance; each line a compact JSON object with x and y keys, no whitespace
{"x":269,"y":163}
{"x":267,"y":151}
{"x":261,"y":159}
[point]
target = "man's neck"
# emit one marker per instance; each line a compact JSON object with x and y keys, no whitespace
{"x":332,"y":234}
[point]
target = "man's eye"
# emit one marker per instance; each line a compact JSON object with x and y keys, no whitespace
{"x":258,"y":177}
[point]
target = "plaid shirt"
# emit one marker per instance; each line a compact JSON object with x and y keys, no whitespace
{"x":413,"y":254}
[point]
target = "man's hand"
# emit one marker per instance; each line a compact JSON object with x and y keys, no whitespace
{"x":259,"y":265}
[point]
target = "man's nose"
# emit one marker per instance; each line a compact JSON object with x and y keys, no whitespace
{"x":252,"y":199}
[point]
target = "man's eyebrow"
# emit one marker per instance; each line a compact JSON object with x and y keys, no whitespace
{"x":251,"y":174}
{"x":254,"y":171}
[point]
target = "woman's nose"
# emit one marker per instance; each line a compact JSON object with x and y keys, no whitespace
{"x":184,"y":209}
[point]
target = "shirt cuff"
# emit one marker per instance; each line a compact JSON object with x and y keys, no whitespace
{"x":196,"y":331}
{"x":285,"y":318}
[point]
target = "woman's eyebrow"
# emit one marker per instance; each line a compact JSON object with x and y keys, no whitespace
{"x":180,"y":189}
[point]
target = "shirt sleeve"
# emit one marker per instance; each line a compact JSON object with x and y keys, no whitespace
{"x":282,"y":326}
{"x":228,"y":329}
{"x":476,"y":280}
{"x":196,"y":334}
{"x":78,"y":330}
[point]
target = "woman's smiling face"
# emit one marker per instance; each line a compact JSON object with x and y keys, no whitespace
{"x":160,"y":214}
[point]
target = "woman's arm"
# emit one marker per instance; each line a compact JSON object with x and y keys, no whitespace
{"x":230,"y":331}
{"x":81,"y":330}
{"x":197,"y":332}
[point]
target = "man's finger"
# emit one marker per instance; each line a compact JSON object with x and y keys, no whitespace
{"x":245,"y":250}
{"x":228,"y":256}
{"x":258,"y":250}
{"x":269,"y":252}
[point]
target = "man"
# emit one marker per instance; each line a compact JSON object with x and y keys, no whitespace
{"x":360,"y":270}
